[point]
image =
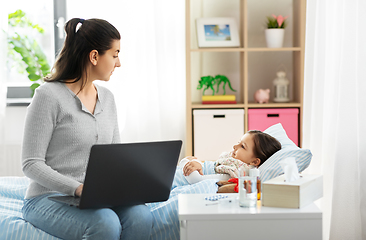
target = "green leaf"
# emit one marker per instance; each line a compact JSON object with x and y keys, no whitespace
{"x":34,"y":77}
{"x":31,"y":69}
{"x":33,"y":87}
{"x":45,"y":67}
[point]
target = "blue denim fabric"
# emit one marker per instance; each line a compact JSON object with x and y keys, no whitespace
{"x":66,"y":222}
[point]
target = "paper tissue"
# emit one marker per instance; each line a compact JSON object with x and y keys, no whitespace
{"x":290,"y":169}
{"x":291,"y":190}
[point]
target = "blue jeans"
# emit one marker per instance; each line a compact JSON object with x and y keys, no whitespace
{"x":66,"y":222}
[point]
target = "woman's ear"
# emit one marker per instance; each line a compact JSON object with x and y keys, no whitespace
{"x":93,"y":57}
{"x":256,"y":162}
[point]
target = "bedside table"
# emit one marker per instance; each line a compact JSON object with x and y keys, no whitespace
{"x":229,"y":221}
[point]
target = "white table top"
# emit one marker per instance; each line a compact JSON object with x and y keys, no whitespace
{"x":195,"y":207}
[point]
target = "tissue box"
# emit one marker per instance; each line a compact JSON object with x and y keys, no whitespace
{"x":278,"y":193}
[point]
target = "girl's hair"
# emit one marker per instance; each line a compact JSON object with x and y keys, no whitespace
{"x":82,"y":36}
{"x":264,"y":145}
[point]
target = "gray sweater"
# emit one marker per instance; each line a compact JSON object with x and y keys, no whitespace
{"x":59,"y":133}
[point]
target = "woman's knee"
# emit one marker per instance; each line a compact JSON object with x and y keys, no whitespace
{"x":142,"y":216}
{"x":106,"y":225}
{"x":136,"y":222}
{"x":138,"y":216}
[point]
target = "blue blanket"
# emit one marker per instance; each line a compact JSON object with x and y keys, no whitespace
{"x":166,"y":220}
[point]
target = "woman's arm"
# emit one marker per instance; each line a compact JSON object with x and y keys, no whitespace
{"x":41,"y":119}
{"x":116,"y":134}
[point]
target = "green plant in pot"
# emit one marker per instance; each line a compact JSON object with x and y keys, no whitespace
{"x":24,"y":51}
{"x":275,"y":31}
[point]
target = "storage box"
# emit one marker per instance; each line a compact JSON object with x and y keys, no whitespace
{"x":278,"y":193}
{"x":261,"y":119}
{"x":216,"y":131}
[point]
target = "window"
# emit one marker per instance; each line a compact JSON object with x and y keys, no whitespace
{"x":47,"y":15}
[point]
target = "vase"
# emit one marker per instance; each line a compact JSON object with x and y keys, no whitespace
{"x":274,"y":37}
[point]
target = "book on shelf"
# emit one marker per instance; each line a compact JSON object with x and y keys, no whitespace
{"x":218,"y":102}
{"x":218,"y":98}
{"x":277,"y":192}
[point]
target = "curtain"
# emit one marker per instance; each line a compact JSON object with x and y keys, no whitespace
{"x":3,"y":88}
{"x":149,"y":87}
{"x":334,"y":112}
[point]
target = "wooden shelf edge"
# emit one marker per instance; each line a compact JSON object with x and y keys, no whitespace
{"x":199,"y":105}
{"x":273,"y":105}
{"x":264,"y":49}
{"x":249,"y":105}
{"x":285,"y":49}
{"x":220,"y":49}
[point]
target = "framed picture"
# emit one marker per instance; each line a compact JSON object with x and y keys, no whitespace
{"x":217,"y":32}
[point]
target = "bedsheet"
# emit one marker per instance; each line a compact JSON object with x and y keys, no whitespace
{"x":165,"y":214}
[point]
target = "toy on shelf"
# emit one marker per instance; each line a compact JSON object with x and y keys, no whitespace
{"x":261,"y":96}
{"x":207,"y":82}
{"x":223,"y":79}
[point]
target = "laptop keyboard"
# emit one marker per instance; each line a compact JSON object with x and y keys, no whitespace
{"x":72,"y":201}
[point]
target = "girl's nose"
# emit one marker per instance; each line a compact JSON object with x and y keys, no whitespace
{"x":235,"y":146}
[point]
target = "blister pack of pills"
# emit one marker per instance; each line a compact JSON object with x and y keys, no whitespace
{"x":216,"y":197}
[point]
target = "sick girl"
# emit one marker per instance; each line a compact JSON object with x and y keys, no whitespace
{"x":253,"y":149}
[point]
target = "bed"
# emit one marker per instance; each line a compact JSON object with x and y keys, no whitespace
{"x":165,"y":214}
{"x":166,"y":226}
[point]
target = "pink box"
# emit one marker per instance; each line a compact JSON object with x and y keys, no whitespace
{"x":261,"y":119}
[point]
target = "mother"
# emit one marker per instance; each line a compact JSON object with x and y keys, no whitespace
{"x":68,"y":115}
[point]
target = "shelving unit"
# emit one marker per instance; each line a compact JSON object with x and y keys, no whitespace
{"x":252,"y":65}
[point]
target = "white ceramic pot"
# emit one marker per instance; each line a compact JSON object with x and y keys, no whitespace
{"x":274,"y":37}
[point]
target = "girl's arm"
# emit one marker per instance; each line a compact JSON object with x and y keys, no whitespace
{"x":191,"y":167}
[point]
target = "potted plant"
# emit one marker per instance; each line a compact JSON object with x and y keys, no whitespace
{"x":25,"y":52}
{"x":275,"y":31}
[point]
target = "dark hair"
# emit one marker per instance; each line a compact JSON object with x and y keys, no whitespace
{"x":264,"y":145}
{"x":93,"y":34}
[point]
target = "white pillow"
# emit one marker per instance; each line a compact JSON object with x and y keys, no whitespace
{"x":271,"y":168}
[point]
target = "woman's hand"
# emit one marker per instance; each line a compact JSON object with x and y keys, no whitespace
{"x":79,"y":190}
{"x":191,"y":167}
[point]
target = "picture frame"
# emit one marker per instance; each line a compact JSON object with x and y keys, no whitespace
{"x":217,"y":32}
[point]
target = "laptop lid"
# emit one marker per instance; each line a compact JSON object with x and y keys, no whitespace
{"x":131,"y":173}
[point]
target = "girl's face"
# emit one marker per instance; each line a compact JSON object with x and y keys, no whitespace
{"x":243,"y":150}
{"x":108,"y":62}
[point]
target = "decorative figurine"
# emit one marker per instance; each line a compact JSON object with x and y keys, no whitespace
{"x":223,"y":79}
{"x":281,"y":86}
{"x":262,"y":95}
{"x":207,"y":82}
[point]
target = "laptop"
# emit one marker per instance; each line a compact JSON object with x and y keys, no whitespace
{"x":127,"y":174}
